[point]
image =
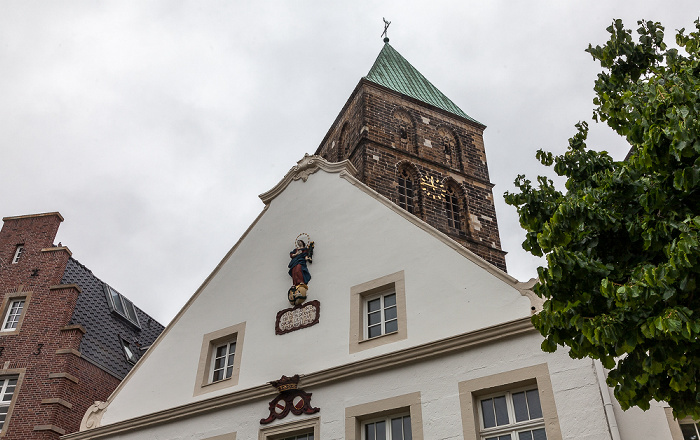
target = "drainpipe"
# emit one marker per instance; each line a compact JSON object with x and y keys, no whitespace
{"x":607,"y":403}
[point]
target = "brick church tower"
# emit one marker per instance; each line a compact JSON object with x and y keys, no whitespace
{"x":413,"y":145}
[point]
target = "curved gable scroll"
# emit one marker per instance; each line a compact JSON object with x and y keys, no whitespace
{"x":303,"y":169}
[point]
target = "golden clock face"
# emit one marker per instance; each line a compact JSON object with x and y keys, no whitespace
{"x":432,"y":187}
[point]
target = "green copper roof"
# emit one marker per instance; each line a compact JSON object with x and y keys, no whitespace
{"x":391,"y":70}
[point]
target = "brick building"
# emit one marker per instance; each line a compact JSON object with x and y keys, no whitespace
{"x":67,"y":339}
{"x":413,"y":145}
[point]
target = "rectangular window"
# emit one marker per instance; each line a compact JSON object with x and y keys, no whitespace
{"x":378,"y":312}
{"x":512,"y":415}
{"x":390,"y":428}
{"x":395,"y":418}
{"x":691,"y":430}
{"x":7,"y":390}
{"x":512,"y":405}
{"x":381,"y":316}
{"x":222,"y":361}
{"x":18,"y":253}
{"x":14,"y":313}
{"x":305,"y":429}
{"x":120,"y":304}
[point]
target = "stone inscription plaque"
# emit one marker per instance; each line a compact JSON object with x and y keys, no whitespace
{"x":296,"y":318}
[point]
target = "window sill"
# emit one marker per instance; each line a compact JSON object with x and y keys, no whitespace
{"x":378,"y":337}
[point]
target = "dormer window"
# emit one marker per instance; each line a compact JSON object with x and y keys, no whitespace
{"x":118,"y":303}
{"x":129,"y":352}
{"x":18,"y":253}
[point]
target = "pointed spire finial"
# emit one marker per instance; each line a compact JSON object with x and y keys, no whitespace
{"x":386,"y":27}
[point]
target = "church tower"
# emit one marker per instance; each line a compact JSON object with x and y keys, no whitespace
{"x":413,"y":145}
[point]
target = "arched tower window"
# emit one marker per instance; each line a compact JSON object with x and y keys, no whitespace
{"x":449,"y":146}
{"x":403,"y":131}
{"x":454,"y":208}
{"x":408,"y":189}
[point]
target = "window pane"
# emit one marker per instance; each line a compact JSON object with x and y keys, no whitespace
{"x":407,"y":434}
{"x":369,"y":431}
{"x":218,"y":375}
{"x":375,"y":331}
{"x":525,"y":435}
{"x":130,"y":312}
{"x":229,"y":372}
{"x":499,"y":404}
{"x":390,"y":313}
{"x":539,"y":434}
{"x":488,"y":416}
{"x":520,"y":407}
{"x":396,"y":429}
{"x":390,"y":300}
{"x":381,"y":430}
{"x":374,"y":318}
{"x":392,"y":326}
{"x":374,"y":305}
{"x":688,"y":431}
{"x":533,"y":402}
{"x":116,"y":301}
{"x":504,"y":437}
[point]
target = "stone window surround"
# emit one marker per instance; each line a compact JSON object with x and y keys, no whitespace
{"x":359,"y":295}
{"x":209,"y":343}
{"x":471,"y":390}
{"x":407,"y":403}
{"x":9,"y":297}
{"x":298,"y":427}
{"x":19,"y":372}
{"x":675,"y":425}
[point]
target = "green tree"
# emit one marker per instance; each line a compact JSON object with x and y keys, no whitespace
{"x":621,"y":241}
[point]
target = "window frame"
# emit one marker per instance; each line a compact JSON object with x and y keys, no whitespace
{"x":9,"y":313}
{"x":388,"y":419}
{"x":17,"y":373}
{"x":126,"y":308}
{"x":19,"y":250}
{"x":7,"y":302}
{"x":513,"y":427}
{"x":311,"y":425}
{"x":360,"y":295}
{"x":356,"y":417}
{"x":381,"y":296}
{"x":227,"y":359}
{"x":210,"y":342}
{"x":126,"y":345}
{"x":675,"y":424}
{"x":471,"y":392}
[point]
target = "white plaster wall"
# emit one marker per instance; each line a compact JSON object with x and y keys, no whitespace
{"x":575,"y":387}
{"x":635,"y":423}
{"x":357,"y":239}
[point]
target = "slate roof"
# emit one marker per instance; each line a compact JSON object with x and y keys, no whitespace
{"x":391,"y":70}
{"x":101,"y":344}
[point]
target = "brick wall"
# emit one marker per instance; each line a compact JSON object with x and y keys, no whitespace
{"x":57,"y":385}
{"x":386,"y":130}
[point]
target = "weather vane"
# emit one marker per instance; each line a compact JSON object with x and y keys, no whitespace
{"x":386,"y":27}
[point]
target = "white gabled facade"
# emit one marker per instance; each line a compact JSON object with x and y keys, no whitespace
{"x":464,"y":335}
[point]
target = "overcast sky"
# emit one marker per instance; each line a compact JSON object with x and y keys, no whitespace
{"x":153,"y":126}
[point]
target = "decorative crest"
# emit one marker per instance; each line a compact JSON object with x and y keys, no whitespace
{"x":386,"y":27}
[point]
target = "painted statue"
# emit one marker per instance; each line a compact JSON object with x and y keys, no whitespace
{"x":300,"y":256}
